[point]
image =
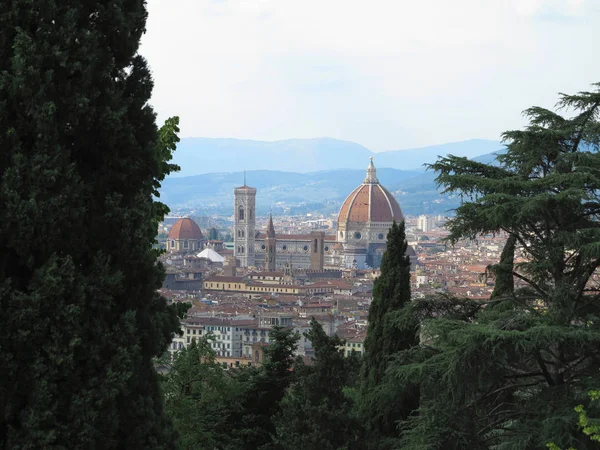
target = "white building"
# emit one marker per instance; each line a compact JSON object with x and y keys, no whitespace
{"x":426,"y":223}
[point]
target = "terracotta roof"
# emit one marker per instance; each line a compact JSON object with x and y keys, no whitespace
{"x":370,"y":202}
{"x":266,"y":274}
{"x":223,"y":279}
{"x":185,"y":229}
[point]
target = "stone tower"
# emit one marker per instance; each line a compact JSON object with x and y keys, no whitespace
{"x":244,"y":207}
{"x":316,"y":251}
{"x":271,"y":247}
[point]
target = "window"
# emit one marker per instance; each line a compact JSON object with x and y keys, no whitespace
{"x":357,"y":235}
{"x":172,"y":244}
{"x":188,"y":339}
{"x":380,"y":236}
{"x":284,"y":247}
{"x":241,"y":213}
{"x":188,"y":331}
{"x":185,"y":244}
{"x":305,"y":247}
{"x":194,"y":332}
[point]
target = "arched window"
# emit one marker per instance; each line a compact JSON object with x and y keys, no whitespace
{"x":242,"y":249}
{"x":250,"y":214}
{"x":172,"y":244}
{"x":241,"y":213}
{"x":315,"y":246}
{"x":243,"y":233}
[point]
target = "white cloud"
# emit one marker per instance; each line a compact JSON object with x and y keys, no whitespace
{"x":385,"y":73}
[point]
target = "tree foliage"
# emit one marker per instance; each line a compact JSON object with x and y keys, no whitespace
{"x":199,"y":395}
{"x":81,"y":162}
{"x":509,"y":375}
{"x":253,"y":424}
{"x":213,"y":234}
{"x":385,"y":403}
{"x":315,"y":412}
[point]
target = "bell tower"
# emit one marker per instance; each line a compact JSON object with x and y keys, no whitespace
{"x":271,"y":247}
{"x":244,"y":210}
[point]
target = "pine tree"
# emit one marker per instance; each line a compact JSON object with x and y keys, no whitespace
{"x":81,"y":161}
{"x":385,"y":403}
{"x":315,"y":412}
{"x":510,"y":375}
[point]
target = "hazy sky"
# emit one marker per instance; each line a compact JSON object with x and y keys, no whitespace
{"x":387,"y":74}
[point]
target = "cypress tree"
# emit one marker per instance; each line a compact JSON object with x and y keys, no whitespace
{"x":81,"y":160}
{"x":385,"y":403}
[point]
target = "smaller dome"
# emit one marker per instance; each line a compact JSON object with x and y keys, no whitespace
{"x":185,"y":228}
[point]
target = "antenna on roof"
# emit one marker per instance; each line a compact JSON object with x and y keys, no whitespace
{"x":244,"y":178}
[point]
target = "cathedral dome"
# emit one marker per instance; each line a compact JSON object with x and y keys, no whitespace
{"x":370,"y":202}
{"x":185,"y":229}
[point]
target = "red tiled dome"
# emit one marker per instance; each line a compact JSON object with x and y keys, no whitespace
{"x":370,"y":202}
{"x":185,"y":229}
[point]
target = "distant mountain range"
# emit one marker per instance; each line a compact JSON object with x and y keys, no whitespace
{"x":306,"y":175}
{"x":209,"y":155}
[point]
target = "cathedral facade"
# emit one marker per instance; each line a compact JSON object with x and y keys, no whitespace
{"x":359,"y":240}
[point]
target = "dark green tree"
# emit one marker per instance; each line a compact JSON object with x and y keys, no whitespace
{"x":253,"y":423}
{"x":80,"y":163}
{"x":510,"y":375}
{"x":181,"y":309}
{"x":315,"y":412}
{"x":213,"y":234}
{"x":199,"y":393}
{"x":384,"y":403}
